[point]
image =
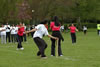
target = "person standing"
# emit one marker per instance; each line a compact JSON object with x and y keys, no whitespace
{"x":41,"y":30}
{"x":24,"y":35}
{"x":55,"y":27}
{"x":73,"y":29}
{"x":3,"y":34}
{"x":16,"y":33}
{"x":13,"y":36}
{"x":85,"y":29}
{"x":98,"y":29}
{"x":8,"y":33}
{"x":62,"y":28}
{"x":20,"y":36}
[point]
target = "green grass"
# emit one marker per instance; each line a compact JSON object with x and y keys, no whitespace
{"x":85,"y":53}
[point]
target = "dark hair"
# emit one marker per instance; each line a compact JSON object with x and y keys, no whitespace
{"x":56,"y":20}
{"x":44,"y":22}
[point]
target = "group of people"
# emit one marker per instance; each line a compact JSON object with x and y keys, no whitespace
{"x":9,"y":33}
{"x":40,"y":30}
{"x":55,"y":26}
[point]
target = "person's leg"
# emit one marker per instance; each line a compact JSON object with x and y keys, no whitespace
{"x":19,"y":42}
{"x":85,"y":32}
{"x":9,"y":36}
{"x":14,"y":38}
{"x":2,"y":39}
{"x":53,"y":47}
{"x":5,"y":39}
{"x":99,"y":32}
{"x":59,"y":48}
{"x":41,"y":45}
{"x":72,"y":37}
{"x":25,"y":37}
{"x":6,"y":36}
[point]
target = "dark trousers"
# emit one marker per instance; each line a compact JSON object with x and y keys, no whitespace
{"x":73,"y":37}
{"x":53,"y":47}
{"x":13,"y":38}
{"x":8,"y":36}
{"x":41,"y":45}
{"x":98,"y":32}
{"x":24,"y":37}
{"x":16,"y":37}
{"x":20,"y":41}
{"x":85,"y":31}
{"x":56,"y":34}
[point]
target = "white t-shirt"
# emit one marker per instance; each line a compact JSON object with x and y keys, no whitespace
{"x":84,"y":28}
{"x":16,"y":30}
{"x":3,"y":32}
{"x":62,"y":27}
{"x":12,"y":30}
{"x":7,"y":28}
{"x":41,"y":30}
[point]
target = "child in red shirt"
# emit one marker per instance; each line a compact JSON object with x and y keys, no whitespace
{"x":73,"y":29}
{"x":20,"y":36}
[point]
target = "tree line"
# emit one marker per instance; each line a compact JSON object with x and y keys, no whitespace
{"x":33,"y":11}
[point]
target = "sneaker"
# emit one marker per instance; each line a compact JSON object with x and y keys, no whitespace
{"x":61,"y":55}
{"x":43,"y":57}
{"x":22,"y":48}
{"x":52,"y":55}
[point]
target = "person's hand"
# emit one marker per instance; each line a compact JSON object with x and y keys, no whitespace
{"x":26,"y":32}
{"x":62,"y":39}
{"x":56,"y":38}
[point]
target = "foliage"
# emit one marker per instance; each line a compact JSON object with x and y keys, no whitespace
{"x":66,"y":10}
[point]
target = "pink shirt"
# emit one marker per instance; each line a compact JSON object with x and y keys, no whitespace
{"x":53,"y":27}
{"x":20,"y":31}
{"x":72,"y":29}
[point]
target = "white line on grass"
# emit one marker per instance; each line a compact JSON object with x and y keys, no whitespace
{"x":6,"y":46}
{"x":13,"y":51}
{"x":69,"y":58}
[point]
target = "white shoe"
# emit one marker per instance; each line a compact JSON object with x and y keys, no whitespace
{"x":43,"y":57}
{"x":22,"y":48}
{"x":61,"y":55}
{"x":51,"y":55}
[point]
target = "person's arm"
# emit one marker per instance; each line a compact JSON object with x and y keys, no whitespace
{"x":30,"y":31}
{"x":53,"y":37}
{"x":68,"y":27}
{"x":76,"y":29}
{"x":3,"y":30}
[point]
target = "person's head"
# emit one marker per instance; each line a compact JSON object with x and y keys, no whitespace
{"x":2,"y":25}
{"x":23,"y":24}
{"x":20,"y":24}
{"x":7,"y":23}
{"x":56,"y":20}
{"x":72,"y":24}
{"x":45,"y":22}
{"x":13,"y":25}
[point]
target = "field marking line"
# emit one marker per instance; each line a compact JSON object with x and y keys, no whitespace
{"x":13,"y":51}
{"x":68,"y":58}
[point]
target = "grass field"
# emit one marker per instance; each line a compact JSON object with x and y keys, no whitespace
{"x":85,"y":53}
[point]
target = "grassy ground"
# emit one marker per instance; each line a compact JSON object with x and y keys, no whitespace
{"x":85,"y":53}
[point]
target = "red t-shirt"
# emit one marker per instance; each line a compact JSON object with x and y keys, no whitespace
{"x":53,"y":27}
{"x":72,"y":29}
{"x":20,"y":31}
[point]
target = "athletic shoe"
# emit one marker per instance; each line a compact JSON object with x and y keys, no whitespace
{"x":61,"y":55}
{"x":43,"y":57}
{"x":22,"y":48}
{"x":52,"y":55}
